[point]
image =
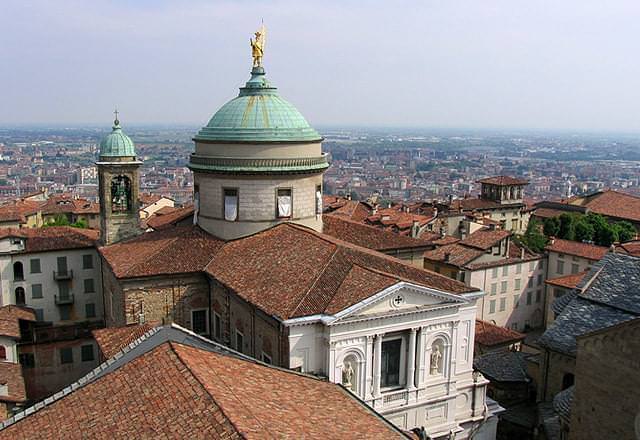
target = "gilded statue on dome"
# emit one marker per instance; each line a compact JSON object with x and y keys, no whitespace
{"x":257,"y":46}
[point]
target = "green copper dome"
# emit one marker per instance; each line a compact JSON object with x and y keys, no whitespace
{"x":258,"y":114}
{"x":117,"y":144}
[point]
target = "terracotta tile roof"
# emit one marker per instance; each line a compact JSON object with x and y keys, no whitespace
{"x":53,"y":238}
{"x":165,"y":210}
{"x":11,"y":376}
{"x":180,"y":249}
{"x":576,"y":248}
{"x":65,"y":203}
{"x":516,"y":255}
{"x":397,"y":220}
{"x":17,"y":210}
{"x":161,"y":220}
{"x":352,"y":209}
{"x":547,"y":212}
{"x":630,"y":248}
{"x":368,"y":236}
{"x":568,"y":281}
{"x":10,"y":317}
{"x":489,"y":334}
{"x":111,"y":340}
{"x":504,"y":180}
{"x":153,"y":396}
{"x":198,"y":389}
{"x":261,"y":400}
{"x":472,"y":204}
{"x":485,"y":238}
{"x":453,"y":254}
{"x":611,"y":203}
{"x":290,"y":271}
{"x":147,"y":199}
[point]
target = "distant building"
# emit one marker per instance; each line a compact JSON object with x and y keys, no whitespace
{"x":510,"y":275}
{"x":13,"y":323}
{"x":54,"y":271}
{"x":34,"y":212}
{"x":568,"y":261}
{"x":152,"y":203}
{"x":501,"y":202}
{"x":405,"y":248}
{"x":614,"y":205}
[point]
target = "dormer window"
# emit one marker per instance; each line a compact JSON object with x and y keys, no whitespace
{"x":284,"y":203}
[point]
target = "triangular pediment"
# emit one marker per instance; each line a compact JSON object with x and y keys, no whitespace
{"x":398,"y":298}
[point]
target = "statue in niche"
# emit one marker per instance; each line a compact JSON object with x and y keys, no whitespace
{"x":436,"y":356}
{"x":347,"y":375}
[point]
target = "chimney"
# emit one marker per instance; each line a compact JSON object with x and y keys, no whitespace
{"x":522,"y":253}
{"x":447,"y":255}
{"x":552,"y":240}
{"x":612,"y":248}
{"x":443,"y":232}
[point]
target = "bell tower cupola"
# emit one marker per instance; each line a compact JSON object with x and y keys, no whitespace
{"x":119,"y":183}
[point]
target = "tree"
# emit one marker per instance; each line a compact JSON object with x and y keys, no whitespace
{"x":603,"y":233}
{"x":626,"y":231}
{"x":567,"y":224}
{"x":533,"y":238}
{"x":584,"y":230}
{"x":59,"y":220}
{"x":551,"y":226}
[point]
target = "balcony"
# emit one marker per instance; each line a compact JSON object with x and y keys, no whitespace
{"x":62,"y":275}
{"x":63,"y":300}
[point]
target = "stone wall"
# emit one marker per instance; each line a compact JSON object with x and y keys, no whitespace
{"x":165,"y":299}
{"x":113,"y":298}
{"x":261,"y":333}
{"x":606,"y":401}
{"x":50,"y":375}
{"x":557,"y":367}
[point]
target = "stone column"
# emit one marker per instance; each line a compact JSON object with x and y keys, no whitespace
{"x":411,"y":361}
{"x":368,"y":382}
{"x":377,"y":366}
{"x":420,"y":361}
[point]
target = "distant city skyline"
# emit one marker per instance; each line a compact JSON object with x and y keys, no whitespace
{"x":499,"y":65}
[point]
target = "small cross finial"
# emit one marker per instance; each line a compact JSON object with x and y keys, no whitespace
{"x":116,"y":122}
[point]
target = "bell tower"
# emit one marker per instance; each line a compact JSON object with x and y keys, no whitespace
{"x":119,"y":183}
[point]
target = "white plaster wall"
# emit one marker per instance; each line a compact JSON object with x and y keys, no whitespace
{"x":308,"y":348}
{"x":48,"y":264}
{"x":512,"y":316}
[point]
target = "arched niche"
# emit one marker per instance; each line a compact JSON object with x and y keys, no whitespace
{"x":438,"y":355}
{"x":351,"y":367}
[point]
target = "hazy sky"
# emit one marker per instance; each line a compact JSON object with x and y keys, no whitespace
{"x":570,"y":64}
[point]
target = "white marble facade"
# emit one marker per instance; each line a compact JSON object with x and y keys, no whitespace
{"x":408,"y":352}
